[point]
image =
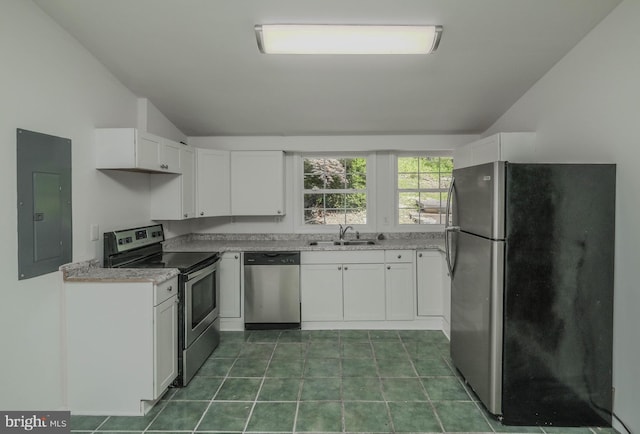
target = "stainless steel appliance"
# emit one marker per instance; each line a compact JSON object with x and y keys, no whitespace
{"x":199,"y":290}
{"x":272,"y":290}
{"x":530,"y":251}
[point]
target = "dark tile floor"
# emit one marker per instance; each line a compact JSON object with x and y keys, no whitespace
{"x":353,"y":381}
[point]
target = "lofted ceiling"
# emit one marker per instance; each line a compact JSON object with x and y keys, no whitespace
{"x":197,"y":61}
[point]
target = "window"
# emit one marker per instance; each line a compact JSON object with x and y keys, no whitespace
{"x":422,"y":187}
{"x":335,"y":190}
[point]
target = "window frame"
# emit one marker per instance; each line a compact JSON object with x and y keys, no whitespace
{"x":299,"y":191}
{"x":398,"y":227}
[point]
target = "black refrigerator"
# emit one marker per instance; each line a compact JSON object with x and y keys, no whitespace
{"x":530,"y":249}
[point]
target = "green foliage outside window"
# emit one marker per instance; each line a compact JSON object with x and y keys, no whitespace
{"x":335,"y":190}
{"x":422,"y":186}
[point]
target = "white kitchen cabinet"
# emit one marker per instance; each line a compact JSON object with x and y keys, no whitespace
{"x":121,"y":345}
{"x":213,"y":183}
{"x":230,"y":293}
{"x":321,"y":292}
{"x":131,"y":149}
{"x":429,"y":283}
{"x":363,"y":287}
{"x":514,"y":147}
{"x":257,"y":183}
{"x":172,"y":197}
{"x":400,"y":283}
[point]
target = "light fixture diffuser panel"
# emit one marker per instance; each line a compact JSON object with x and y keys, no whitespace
{"x":346,"y":39}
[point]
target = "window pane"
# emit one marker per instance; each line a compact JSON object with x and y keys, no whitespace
{"x":445,"y":181}
{"x":408,"y":164}
{"x":408,"y":180}
{"x":429,"y":180}
{"x":328,"y":206}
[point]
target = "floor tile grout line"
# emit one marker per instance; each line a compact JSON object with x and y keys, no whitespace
{"x":426,"y":392}
{"x":264,"y":375}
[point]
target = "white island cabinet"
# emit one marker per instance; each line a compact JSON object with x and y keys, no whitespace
{"x":121,"y":345}
{"x":132,"y":149}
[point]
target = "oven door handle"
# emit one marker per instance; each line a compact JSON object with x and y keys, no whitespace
{"x":202,"y":271}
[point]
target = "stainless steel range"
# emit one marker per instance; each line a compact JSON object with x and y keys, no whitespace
{"x":198,"y":296}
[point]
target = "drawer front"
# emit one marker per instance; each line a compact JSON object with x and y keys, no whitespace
{"x":391,"y":256}
{"x":343,"y":256}
{"x":165,"y":290}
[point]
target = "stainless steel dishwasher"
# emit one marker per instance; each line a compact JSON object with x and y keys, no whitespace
{"x":271,"y":290}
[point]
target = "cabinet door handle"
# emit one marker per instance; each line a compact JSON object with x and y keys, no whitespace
{"x":388,"y":267}
{"x":185,"y":216}
{"x":419,"y":255}
{"x":201,"y":212}
{"x":399,"y":256}
{"x":236,"y":256}
{"x":170,"y":288}
{"x":346,"y":268}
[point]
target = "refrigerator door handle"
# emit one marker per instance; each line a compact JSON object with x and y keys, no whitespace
{"x":448,"y":228}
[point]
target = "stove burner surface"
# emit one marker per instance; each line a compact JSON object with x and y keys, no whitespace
{"x":181,"y":260}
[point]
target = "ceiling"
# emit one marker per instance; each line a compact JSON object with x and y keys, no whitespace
{"x":197,"y":61}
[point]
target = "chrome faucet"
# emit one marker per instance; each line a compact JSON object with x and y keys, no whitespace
{"x":342,"y":231}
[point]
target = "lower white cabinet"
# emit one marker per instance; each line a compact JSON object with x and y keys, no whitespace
{"x":363,"y":290}
{"x":429,"y":283}
{"x":321,"y":292}
{"x":121,"y":345}
{"x":400,"y":282}
{"x":230,"y":294}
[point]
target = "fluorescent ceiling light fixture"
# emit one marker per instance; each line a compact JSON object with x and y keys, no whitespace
{"x":346,"y":39}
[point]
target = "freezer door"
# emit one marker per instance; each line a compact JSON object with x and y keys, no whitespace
{"x":476,"y":315}
{"x":478,"y":200}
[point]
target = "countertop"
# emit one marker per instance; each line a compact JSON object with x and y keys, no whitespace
{"x":92,"y":270}
{"x":264,"y":242}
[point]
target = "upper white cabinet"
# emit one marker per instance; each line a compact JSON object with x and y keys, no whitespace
{"x":213,"y":183}
{"x":514,"y":147}
{"x":173,"y":196}
{"x":257,"y":183}
{"x":131,"y":149}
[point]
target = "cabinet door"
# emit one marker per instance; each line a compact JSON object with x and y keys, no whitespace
{"x":429,"y":265}
{"x":165,"y":340}
{"x":400,"y":287}
{"x":170,"y":156}
{"x":147,"y":152}
{"x":187,"y":160}
{"x":257,"y":183}
{"x":321,"y":292}
{"x":213,"y":190}
{"x":364,"y":292}
{"x":230,"y":295}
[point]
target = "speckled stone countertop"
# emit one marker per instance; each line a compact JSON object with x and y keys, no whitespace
{"x":299,"y":242}
{"x":91,"y":271}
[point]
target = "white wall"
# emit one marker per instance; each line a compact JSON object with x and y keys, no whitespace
{"x":50,"y":84}
{"x":587,"y":109}
{"x":383,"y":215}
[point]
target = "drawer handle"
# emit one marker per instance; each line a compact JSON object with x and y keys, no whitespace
{"x":170,"y":288}
{"x":339,"y":268}
{"x":346,"y":268}
{"x":201,"y":212}
{"x":399,"y":256}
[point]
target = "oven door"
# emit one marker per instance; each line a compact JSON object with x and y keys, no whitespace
{"x":201,"y":304}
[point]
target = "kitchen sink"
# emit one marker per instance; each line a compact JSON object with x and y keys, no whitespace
{"x":343,"y":243}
